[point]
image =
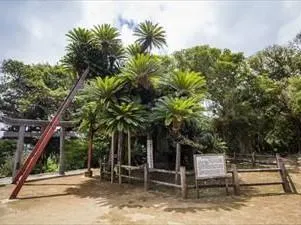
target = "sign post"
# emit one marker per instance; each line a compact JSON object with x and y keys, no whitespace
{"x":209,"y":166}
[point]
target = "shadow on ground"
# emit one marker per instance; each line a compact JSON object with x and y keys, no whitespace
{"x":133,"y":196}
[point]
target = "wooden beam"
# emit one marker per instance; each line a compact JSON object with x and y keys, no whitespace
{"x":30,"y":122}
{"x":165,"y":183}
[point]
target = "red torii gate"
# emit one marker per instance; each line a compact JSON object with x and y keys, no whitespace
{"x":32,"y":159}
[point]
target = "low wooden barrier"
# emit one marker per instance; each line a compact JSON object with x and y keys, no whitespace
{"x":286,"y":183}
{"x":253,"y":158}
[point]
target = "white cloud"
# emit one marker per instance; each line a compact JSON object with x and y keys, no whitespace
{"x":239,"y":26}
{"x":289,"y":30}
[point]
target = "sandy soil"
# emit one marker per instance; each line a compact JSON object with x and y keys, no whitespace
{"x":80,"y":200}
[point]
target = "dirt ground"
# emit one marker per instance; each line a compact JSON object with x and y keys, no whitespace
{"x":80,"y":200}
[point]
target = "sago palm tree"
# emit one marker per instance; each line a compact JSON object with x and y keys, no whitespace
{"x":174,"y":111}
{"x":96,"y":97}
{"x":107,"y":39}
{"x":141,"y":73}
{"x":122,"y":118}
{"x":142,"y":70}
{"x":79,"y":50}
{"x":88,"y":117}
{"x":185,"y":83}
{"x":149,"y":35}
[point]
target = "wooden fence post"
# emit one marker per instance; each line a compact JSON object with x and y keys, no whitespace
{"x":234,"y":157}
{"x":235,"y":180}
{"x":119,"y":173}
{"x":183,"y":181}
{"x":100,"y":169}
{"x":146,"y":177}
{"x":253,"y":159}
{"x":283,"y":175}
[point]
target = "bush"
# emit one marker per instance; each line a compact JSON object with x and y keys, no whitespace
{"x":7,"y":149}
{"x":51,"y":165}
{"x":6,"y":168}
{"x":76,"y":152}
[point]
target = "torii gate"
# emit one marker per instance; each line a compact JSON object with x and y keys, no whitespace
{"x":33,"y":157}
{"x":21,"y":134}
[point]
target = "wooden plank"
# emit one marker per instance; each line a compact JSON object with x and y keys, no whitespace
{"x":261,"y":184}
{"x":183,"y":182}
{"x":127,"y":167}
{"x":133,"y":178}
{"x":257,"y":170}
{"x":189,"y":173}
{"x":165,"y":183}
{"x":162,"y":171}
{"x":211,"y":185}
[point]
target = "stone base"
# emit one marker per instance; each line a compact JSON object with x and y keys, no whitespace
{"x":88,"y":173}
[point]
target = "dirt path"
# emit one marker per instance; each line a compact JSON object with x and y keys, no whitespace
{"x":80,"y":200}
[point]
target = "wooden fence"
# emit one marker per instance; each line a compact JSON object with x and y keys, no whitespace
{"x":146,"y":172}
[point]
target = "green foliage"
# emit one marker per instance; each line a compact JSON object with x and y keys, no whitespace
{"x":184,"y":83}
{"x":7,"y":150}
{"x":174,"y":111}
{"x":32,"y":91}
{"x":76,"y":152}
{"x":6,"y":167}
{"x":124,"y":117}
{"x":294,"y":94}
{"x":98,"y":48}
{"x":51,"y":165}
{"x":142,"y":70}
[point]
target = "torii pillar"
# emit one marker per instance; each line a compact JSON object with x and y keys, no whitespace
{"x":62,"y":152}
{"x":19,"y":151}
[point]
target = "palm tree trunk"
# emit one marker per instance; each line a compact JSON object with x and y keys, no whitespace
{"x":90,"y":150}
{"x":119,"y":151}
{"x":149,"y":151}
{"x":129,"y":151}
{"x":112,"y":156}
{"x":178,"y":162}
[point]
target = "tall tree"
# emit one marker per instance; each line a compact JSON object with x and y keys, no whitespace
{"x":149,"y":35}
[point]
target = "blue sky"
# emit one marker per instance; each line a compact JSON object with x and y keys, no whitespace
{"x":34,"y":31}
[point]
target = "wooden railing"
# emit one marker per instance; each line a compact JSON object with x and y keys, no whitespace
{"x":286,"y":182}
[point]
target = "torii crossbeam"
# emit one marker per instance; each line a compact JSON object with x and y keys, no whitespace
{"x":32,"y":159}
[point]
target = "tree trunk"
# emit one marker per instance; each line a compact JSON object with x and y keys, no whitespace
{"x":90,"y":149}
{"x":129,"y":149}
{"x":178,"y":162}
{"x":149,"y":151}
{"x":112,"y":156}
{"x":129,"y":152}
{"x":119,"y":151}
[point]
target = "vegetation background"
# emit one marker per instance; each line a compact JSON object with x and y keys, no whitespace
{"x":200,"y":99}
